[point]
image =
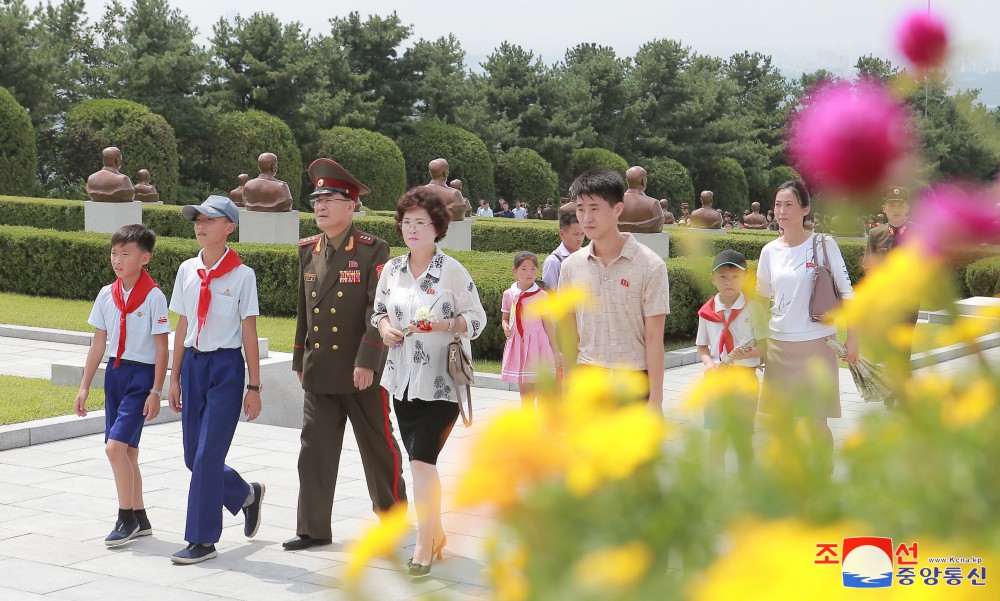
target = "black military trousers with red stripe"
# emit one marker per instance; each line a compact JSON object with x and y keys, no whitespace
{"x":324,"y":421}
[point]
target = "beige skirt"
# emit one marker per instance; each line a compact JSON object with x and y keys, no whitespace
{"x":801,"y":379}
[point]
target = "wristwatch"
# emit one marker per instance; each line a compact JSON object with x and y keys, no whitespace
{"x":158,"y":393}
{"x":257,"y":388}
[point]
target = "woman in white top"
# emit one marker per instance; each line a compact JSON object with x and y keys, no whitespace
{"x":431,"y":288}
{"x":801,"y":374}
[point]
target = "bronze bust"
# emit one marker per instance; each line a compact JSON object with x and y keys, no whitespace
{"x":668,"y":217}
{"x":266,"y":193}
{"x":642,"y":214}
{"x":145,"y":191}
{"x":706,"y":217}
{"x":451,"y":197}
{"x":457,"y":184}
{"x":755,"y":221}
{"x":236,"y":194}
{"x":110,"y":184}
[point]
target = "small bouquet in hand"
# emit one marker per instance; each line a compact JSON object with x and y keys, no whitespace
{"x":868,"y":377}
{"x":421,"y":320}
{"x":745,"y":345}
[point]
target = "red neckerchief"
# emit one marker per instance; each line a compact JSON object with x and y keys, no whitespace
{"x":708,"y":312}
{"x":138,"y":296}
{"x":518,"y":304}
{"x":229,"y":262}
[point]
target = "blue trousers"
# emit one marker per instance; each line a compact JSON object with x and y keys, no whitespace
{"x":212,"y":399}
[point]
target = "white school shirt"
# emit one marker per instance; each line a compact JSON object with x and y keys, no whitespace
{"x":552,"y":265}
{"x":484,"y":212}
{"x":742,"y":329}
{"x":141,"y":325}
{"x":785,"y":276}
{"x":234,"y":298}
{"x":420,"y":363}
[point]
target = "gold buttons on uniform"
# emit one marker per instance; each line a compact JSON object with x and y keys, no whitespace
{"x":315,"y":328}
{"x":316,"y":345}
{"x":335,"y":347}
{"x":316,"y":310}
{"x":340,"y":293}
{"x":314,"y":294}
{"x":332,"y":310}
{"x":334,"y":329}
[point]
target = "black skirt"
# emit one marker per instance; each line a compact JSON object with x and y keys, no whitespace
{"x":424,"y":426}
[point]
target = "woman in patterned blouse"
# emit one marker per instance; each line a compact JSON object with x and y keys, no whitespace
{"x":424,"y":299}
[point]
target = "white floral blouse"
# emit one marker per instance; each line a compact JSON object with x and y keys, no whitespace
{"x":420,"y":362}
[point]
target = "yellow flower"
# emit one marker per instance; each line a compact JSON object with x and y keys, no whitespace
{"x":590,"y":389}
{"x":967,"y":329}
{"x":378,"y":541}
{"x":514,"y":450}
{"x":559,"y":304}
{"x":970,"y":407}
{"x":612,"y":447}
{"x":507,"y":574}
{"x":615,"y":567}
{"x":722,"y":383}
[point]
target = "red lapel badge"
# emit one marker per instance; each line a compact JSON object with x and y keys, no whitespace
{"x":625,"y":283}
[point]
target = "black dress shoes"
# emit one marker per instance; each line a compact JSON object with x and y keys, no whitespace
{"x":304,"y":541}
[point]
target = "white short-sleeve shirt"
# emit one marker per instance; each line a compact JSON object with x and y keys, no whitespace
{"x":742,"y":329}
{"x":234,"y":298}
{"x":141,"y":325}
{"x":785,"y":273}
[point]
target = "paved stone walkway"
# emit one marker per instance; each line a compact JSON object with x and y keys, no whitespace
{"x":57,"y":503}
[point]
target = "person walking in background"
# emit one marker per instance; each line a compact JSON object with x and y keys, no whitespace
{"x":571,"y":234}
{"x":484,"y":209}
{"x":424,"y":300}
{"x":801,"y":380}
{"x":531,"y":342}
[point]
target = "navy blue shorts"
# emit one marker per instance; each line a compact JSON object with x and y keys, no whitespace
{"x":126,"y":389}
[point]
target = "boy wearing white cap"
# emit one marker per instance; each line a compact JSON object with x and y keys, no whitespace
{"x":215,"y":295}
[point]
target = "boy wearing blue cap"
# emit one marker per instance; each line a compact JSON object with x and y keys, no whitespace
{"x":729,"y":330}
{"x":215,"y":295}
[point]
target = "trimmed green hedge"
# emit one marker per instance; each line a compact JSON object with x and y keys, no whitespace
{"x":982,"y":278}
{"x":671,"y":180}
{"x":596,"y":158}
{"x":726,"y":179}
{"x":372,"y":158}
{"x":238,"y":138}
{"x":522,"y":174}
{"x":145,"y":139}
{"x":468,"y":159}
{"x":18,"y":155}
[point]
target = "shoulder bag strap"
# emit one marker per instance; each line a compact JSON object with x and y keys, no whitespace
{"x":461,"y":407}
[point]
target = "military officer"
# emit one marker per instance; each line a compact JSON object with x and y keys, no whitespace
{"x":882,"y":239}
{"x":338,"y":357}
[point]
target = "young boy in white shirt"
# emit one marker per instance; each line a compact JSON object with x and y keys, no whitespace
{"x":571,"y":234}
{"x":729,"y":327}
{"x":134,"y":312}
{"x":215,"y":295}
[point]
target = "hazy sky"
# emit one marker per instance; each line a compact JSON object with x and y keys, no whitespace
{"x":548,"y":27}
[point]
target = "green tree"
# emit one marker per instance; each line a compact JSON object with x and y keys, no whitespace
{"x":372,"y":158}
{"x":957,"y":137}
{"x":597,"y":158}
{"x":439,"y":70}
{"x":874,"y":68}
{"x":18,"y":161}
{"x":239,"y":137}
{"x":668,"y":179}
{"x":512,"y":80}
{"x":776,"y":177}
{"x":725,"y":178}
{"x":609,"y":86}
{"x":466,"y":154}
{"x":27,"y":64}
{"x":522,"y":174}
{"x":145,"y":139}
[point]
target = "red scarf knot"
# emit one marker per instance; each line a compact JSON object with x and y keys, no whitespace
{"x":138,"y":295}
{"x":708,"y":312}
{"x":229,"y":262}
{"x":518,"y":306}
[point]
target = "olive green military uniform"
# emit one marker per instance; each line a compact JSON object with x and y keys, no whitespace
{"x":333,"y":335}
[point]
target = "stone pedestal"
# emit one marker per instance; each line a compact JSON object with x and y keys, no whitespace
{"x":109,"y":217}
{"x":359,"y":213}
{"x":146,"y":204}
{"x":459,"y":236}
{"x":658,"y":243}
{"x":718,"y":232}
{"x":269,"y":228}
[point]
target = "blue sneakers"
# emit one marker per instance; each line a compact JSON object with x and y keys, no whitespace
{"x":252,"y":511}
{"x":123,"y":532}
{"x":194,"y":554}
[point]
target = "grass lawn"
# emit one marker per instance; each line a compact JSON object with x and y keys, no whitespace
{"x":25,"y":399}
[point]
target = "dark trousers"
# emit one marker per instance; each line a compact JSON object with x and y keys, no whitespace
{"x":212,"y":399}
{"x":324,"y":422}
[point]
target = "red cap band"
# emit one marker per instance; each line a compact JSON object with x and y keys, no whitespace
{"x":329,"y":182}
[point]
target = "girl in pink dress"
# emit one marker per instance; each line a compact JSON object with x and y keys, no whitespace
{"x":531,"y":344}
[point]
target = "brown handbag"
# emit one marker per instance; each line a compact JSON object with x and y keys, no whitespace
{"x":825,"y":294}
{"x":462,"y":374}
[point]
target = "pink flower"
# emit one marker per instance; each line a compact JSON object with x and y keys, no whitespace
{"x":923,"y":39}
{"x":950,"y":217}
{"x":848,"y":137}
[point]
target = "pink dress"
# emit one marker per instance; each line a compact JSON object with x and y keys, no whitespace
{"x":528,"y":350}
